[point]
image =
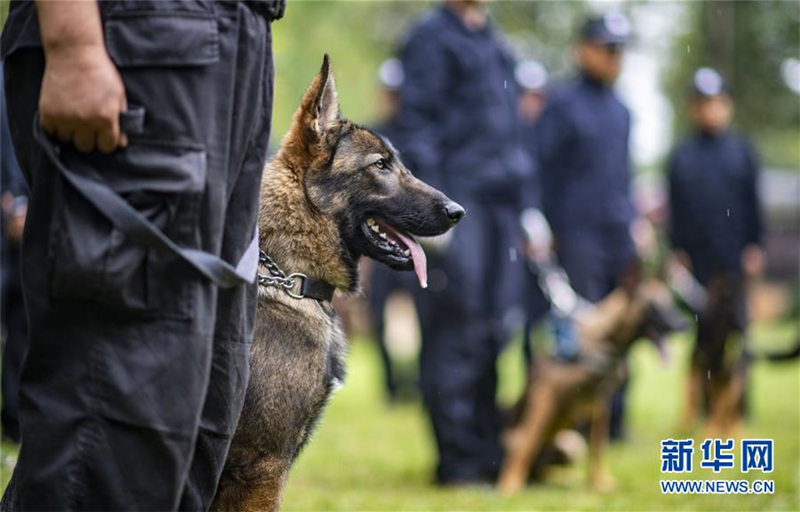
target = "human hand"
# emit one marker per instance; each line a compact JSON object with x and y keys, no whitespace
{"x":753,"y":261}
{"x":14,"y":215}
{"x":680,"y":258}
{"x":81,"y":98}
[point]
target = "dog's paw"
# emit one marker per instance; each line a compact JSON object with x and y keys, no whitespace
{"x":604,"y":483}
{"x":510,"y":483}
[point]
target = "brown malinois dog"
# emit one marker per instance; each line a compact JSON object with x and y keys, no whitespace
{"x":335,"y":191}
{"x":560,"y":394}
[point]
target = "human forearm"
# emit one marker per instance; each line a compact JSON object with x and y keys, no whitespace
{"x":82,"y":93}
{"x":69,"y":24}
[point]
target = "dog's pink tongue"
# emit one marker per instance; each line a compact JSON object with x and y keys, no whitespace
{"x":418,"y":257}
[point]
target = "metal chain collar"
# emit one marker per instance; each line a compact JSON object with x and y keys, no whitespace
{"x":277,"y":277}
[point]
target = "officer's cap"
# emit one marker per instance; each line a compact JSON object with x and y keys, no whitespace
{"x":707,"y":83}
{"x":390,"y":74}
{"x":610,"y":29}
{"x":531,"y":75}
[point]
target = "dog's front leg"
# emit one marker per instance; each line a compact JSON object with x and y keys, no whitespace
{"x":259,"y":489}
{"x":599,"y":479}
{"x":694,"y":397}
{"x":525,"y":440}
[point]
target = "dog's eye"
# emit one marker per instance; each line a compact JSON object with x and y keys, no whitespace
{"x":381,"y":164}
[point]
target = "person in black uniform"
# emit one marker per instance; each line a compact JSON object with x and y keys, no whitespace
{"x":14,"y":196}
{"x":458,"y":128}
{"x":144,"y":161}
{"x":583,"y":137}
{"x":716,"y":226}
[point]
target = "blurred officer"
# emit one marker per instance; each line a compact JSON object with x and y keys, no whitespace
{"x":140,"y":248}
{"x":532,"y":78}
{"x":384,"y":281}
{"x":583,"y":139}
{"x":716,"y":225}
{"x":14,"y":197}
{"x":459,"y":123}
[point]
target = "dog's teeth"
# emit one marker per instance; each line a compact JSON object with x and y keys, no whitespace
{"x":375,"y":228}
{"x":407,"y":252}
{"x":383,"y":235}
{"x":370,"y":222}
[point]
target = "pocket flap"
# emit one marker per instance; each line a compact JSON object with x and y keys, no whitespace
{"x":145,"y":165}
{"x":137,"y":39}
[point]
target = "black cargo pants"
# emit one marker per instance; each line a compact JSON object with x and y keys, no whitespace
{"x":138,"y":365}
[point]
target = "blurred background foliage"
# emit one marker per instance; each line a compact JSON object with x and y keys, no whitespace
{"x":750,"y":44}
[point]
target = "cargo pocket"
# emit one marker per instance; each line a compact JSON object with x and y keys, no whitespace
{"x":92,"y":259}
{"x":162,"y":39}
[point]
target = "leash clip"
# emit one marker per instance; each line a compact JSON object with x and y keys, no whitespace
{"x":288,"y":285}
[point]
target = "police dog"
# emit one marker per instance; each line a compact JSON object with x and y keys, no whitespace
{"x":558,"y":395}
{"x":335,"y":191}
{"x":718,"y":370}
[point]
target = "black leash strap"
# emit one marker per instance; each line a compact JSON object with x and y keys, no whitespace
{"x":128,"y":220}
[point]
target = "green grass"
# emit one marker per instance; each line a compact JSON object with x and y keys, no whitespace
{"x":368,"y":456}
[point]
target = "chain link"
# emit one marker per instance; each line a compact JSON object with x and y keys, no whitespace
{"x":277,"y":277}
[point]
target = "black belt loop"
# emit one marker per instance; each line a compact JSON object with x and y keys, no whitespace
{"x":135,"y":225}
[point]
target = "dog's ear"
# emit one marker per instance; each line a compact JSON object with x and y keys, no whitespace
{"x":315,"y":121}
{"x":327,"y":103}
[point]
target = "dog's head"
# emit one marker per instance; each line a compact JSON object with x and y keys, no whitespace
{"x":651,"y":313}
{"x":353,"y":177}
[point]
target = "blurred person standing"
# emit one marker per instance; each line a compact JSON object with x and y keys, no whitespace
{"x":14,"y":197}
{"x":582,"y":144}
{"x":458,"y":127}
{"x":716,"y":226}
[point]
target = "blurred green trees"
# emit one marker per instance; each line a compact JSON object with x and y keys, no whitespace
{"x":748,"y":43}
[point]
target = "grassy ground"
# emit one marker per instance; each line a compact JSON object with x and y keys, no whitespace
{"x":368,"y":456}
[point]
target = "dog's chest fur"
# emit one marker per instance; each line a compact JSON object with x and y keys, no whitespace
{"x":296,"y":362}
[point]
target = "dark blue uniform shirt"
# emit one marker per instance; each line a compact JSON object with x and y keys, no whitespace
{"x":714,"y":201}
{"x":582,"y":143}
{"x":459,"y":117}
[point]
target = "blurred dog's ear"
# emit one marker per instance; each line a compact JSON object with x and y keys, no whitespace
{"x":327,"y":103}
{"x":632,"y":276}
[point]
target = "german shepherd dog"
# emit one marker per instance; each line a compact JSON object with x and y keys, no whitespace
{"x":558,"y":395}
{"x":718,"y":370}
{"x":721,"y":357}
{"x":335,"y":191}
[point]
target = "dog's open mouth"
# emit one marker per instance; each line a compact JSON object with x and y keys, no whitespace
{"x":396,"y":247}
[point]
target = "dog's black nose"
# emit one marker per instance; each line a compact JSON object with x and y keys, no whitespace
{"x":454,"y":211}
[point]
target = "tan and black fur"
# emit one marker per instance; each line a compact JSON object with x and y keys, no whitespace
{"x":327,"y":179}
{"x":559,"y":395}
{"x":718,"y":369}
